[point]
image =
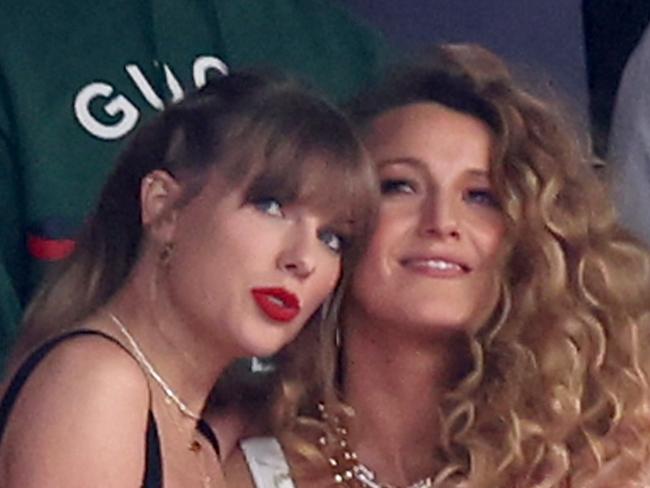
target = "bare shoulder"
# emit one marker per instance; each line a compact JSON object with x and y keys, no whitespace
{"x":79,"y":420}
{"x":85,"y":367}
{"x":235,"y":470}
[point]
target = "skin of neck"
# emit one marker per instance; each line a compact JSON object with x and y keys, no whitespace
{"x":178,"y":350}
{"x":394,"y":384}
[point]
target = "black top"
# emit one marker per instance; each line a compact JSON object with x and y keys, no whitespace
{"x":153,"y":474}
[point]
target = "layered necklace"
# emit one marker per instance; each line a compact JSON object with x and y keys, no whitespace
{"x":171,"y":398}
{"x":347,"y":470}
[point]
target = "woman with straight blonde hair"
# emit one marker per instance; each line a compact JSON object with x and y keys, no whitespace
{"x":218,"y":236}
{"x":496,"y":331}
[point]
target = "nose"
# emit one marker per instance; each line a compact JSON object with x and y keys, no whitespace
{"x":439,"y":217}
{"x":298,"y":255}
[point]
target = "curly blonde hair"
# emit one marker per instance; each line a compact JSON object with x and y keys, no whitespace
{"x":558,"y":386}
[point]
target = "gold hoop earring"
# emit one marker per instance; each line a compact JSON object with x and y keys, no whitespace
{"x":166,"y":253}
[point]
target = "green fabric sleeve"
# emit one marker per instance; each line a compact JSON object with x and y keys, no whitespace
{"x":10,"y":251}
{"x":10,"y":312}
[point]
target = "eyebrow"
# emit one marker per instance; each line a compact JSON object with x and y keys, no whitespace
{"x":479,"y":172}
{"x":407,"y":161}
{"x":421,"y":165}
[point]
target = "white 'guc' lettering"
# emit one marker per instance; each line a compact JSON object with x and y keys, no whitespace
{"x":202,"y":65}
{"x":144,"y":86}
{"x":173,"y":84}
{"x":118,"y":105}
{"x":121,"y":105}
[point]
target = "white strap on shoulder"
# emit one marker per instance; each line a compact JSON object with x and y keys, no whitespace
{"x":266,"y":462}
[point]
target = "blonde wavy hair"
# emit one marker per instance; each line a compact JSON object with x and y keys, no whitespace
{"x":557,"y":392}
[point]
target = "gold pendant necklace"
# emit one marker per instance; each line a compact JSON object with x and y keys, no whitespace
{"x":344,"y":462}
{"x":194,"y":446}
{"x":170,"y":399}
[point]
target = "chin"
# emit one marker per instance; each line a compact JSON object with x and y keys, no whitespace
{"x":263,"y":347}
{"x":258,"y":350}
{"x":444,"y":312}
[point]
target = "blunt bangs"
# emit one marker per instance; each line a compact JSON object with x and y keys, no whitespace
{"x":300,"y":150}
{"x":278,"y":142}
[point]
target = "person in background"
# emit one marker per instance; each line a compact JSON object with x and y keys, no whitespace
{"x":629,"y":142}
{"x":77,"y":78}
{"x":496,"y":330}
{"x":612,"y":29}
{"x":219,"y":235}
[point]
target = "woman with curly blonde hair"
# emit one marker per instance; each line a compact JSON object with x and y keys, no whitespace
{"x":495,"y":333}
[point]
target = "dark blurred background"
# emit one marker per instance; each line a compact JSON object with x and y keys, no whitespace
{"x":577,"y":47}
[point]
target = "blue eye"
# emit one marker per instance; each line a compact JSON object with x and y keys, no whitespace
{"x":396,"y":186}
{"x":332,"y":240}
{"x":482,"y":197}
{"x":269,"y":206}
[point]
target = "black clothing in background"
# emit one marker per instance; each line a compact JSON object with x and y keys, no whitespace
{"x":612,"y":30}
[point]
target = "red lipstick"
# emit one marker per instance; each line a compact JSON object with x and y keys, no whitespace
{"x":278,"y":304}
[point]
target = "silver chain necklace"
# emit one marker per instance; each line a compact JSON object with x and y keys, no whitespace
{"x":364,"y":475}
{"x":170,"y":395}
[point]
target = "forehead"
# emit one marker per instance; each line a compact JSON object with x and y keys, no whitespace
{"x":440,"y":138}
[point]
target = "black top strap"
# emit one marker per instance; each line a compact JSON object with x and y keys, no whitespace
{"x":204,"y":428}
{"x":153,"y":477}
{"x":153,"y":473}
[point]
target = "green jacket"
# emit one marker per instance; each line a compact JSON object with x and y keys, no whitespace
{"x":77,"y":77}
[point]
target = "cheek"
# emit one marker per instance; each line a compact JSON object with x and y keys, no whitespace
{"x":367,"y":271}
{"x":487,"y":284}
{"x":487,"y":298}
{"x":322,"y":283}
{"x":373,"y":272}
{"x":330,"y":278}
{"x":490,"y":241}
{"x":389,"y":231}
{"x":370,"y":280}
{"x":321,"y":287}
